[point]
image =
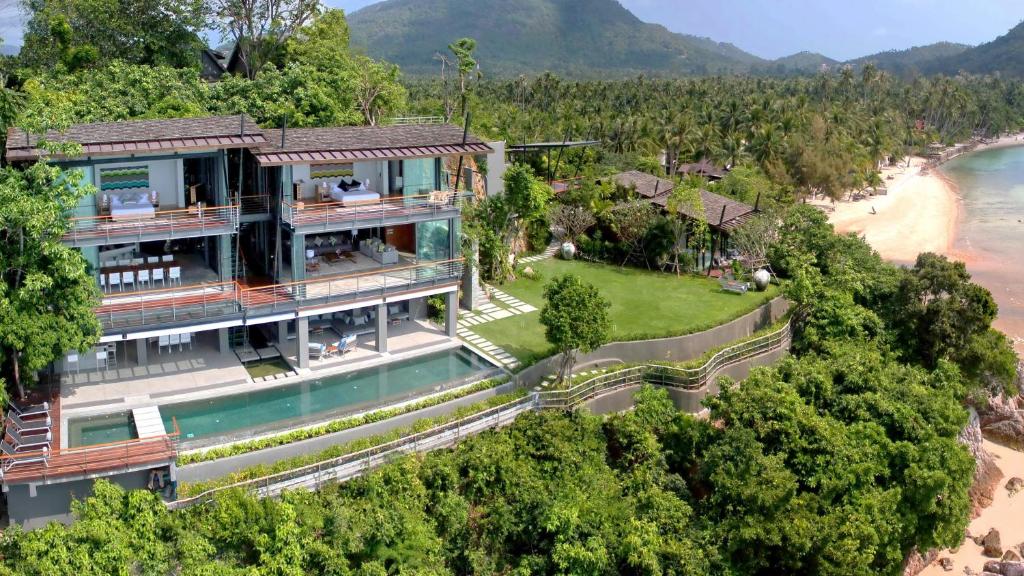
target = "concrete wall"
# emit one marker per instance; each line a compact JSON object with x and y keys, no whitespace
{"x":675,"y":349}
{"x":52,"y":503}
{"x":496,"y":168}
{"x":685,"y":400}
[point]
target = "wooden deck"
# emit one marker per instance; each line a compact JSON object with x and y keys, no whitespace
{"x":89,"y":461}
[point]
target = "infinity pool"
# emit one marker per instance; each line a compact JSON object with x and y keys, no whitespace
{"x":240,"y":416}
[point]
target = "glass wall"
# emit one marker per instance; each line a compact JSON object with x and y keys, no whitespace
{"x":419,"y":176}
{"x":433,"y":241}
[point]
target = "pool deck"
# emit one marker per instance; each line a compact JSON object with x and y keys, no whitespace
{"x":204,"y":373}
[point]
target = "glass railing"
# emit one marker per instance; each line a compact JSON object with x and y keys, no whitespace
{"x":169,"y":305}
{"x":179,"y":223}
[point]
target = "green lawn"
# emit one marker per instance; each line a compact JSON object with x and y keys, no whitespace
{"x":644,"y":305}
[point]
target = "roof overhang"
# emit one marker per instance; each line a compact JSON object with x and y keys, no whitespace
{"x":319,"y":156}
{"x":146,"y":147}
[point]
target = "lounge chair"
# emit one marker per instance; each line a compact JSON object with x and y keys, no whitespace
{"x":347,"y":344}
{"x":34,"y":442}
{"x":317,"y":351}
{"x":12,"y":457}
{"x":29,"y":425}
{"x":33,"y":410}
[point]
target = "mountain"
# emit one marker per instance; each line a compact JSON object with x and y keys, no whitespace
{"x":799,"y":63}
{"x":586,"y":38}
{"x":1004,"y":55}
{"x":911,"y":60}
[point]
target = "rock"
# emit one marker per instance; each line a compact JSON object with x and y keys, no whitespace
{"x":998,"y":568}
{"x":1011,"y":556}
{"x":946,"y":563}
{"x":916,"y":562}
{"x":992,"y":545}
{"x":986,"y":473}
{"x":1003,"y":421}
{"x":1014,"y":485}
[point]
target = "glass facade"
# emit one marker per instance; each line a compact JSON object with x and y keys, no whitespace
{"x":433,"y":240}
{"x":419,"y":176}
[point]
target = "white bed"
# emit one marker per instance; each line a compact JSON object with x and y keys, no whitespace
{"x":362,"y":195}
{"x":131,"y":206}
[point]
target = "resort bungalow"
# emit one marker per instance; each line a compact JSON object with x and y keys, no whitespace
{"x":704,"y":168}
{"x":722,"y":214}
{"x":237,"y":266}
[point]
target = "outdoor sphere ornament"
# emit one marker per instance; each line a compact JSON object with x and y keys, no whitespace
{"x":568,"y":250}
{"x":761,"y":279}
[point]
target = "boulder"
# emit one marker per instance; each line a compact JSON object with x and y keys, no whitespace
{"x":991,"y":544}
{"x":946,"y":564}
{"x":1011,"y":555}
{"x":1004,"y":568}
{"x":986,"y":473}
{"x":1014,"y":485}
{"x":1003,"y":421}
{"x":916,"y":562}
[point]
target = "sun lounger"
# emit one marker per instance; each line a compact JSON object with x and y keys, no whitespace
{"x":29,"y":425}
{"x":13,"y":458}
{"x":36,"y":410}
{"x":33,"y":442}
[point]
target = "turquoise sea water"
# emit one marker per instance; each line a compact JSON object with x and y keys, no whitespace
{"x":239,"y":416}
{"x":991,"y":231}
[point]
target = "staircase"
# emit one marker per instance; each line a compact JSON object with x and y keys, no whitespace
{"x":238,"y":336}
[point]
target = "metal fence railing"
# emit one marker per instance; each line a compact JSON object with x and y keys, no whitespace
{"x":178,"y":223}
{"x":351,"y":465}
{"x":685,"y":378}
{"x":334,"y":215}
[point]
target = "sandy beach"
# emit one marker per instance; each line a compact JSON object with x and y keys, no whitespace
{"x":1004,"y":515}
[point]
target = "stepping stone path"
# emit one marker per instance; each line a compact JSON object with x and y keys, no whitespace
{"x":500,"y":305}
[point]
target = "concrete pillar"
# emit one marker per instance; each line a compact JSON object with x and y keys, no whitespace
{"x":282,"y":333}
{"x":141,"y":351}
{"x":302,"y":342}
{"x":382,"y":328}
{"x":451,"y":313}
{"x":470,"y":280}
{"x":223,"y":341}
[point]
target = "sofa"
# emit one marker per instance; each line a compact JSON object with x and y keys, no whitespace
{"x":321,"y":244}
{"x":379,"y":250}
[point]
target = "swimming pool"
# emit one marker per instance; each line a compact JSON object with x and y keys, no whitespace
{"x":240,"y":416}
{"x":100,"y":429}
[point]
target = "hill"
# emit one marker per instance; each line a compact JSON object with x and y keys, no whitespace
{"x":569,"y":37}
{"x":799,"y":63}
{"x":912,"y":60}
{"x":1004,"y":55}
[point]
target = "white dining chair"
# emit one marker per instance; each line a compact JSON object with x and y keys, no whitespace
{"x":137,"y":261}
{"x":152,"y":259}
{"x":114,"y":280}
{"x":124,"y":262}
{"x":144,"y":279}
{"x":158,"y":274}
{"x":72,"y":362}
{"x":175,"y":340}
{"x":163,"y":342}
{"x":101,"y":360}
{"x":186,"y":338}
{"x":174,"y":274}
{"x":128,"y":278}
{"x":103,"y":282}
{"x":167,"y":258}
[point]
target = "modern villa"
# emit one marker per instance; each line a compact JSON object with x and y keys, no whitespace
{"x":253,"y":280}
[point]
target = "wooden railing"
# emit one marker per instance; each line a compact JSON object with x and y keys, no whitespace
{"x":193,"y":221}
{"x":86,"y":460}
{"x":333,"y":214}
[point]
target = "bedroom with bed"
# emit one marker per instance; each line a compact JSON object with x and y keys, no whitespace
{"x":137,"y":191}
{"x":363,"y":182}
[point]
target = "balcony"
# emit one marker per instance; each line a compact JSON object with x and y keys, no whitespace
{"x":324,"y":291}
{"x":307,"y":217}
{"x":222,"y":301}
{"x":190,"y":222}
{"x":170,"y":306}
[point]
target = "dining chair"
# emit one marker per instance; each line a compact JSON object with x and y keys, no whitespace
{"x":158,"y":274}
{"x":72,"y":362}
{"x":114,"y":280}
{"x":175,"y":340}
{"x":128,"y":278}
{"x":186,"y":338}
{"x":137,"y":261}
{"x":174,"y":274}
{"x":152,"y":259}
{"x":101,"y":360}
{"x":144,"y":278}
{"x":163,"y":342}
{"x":103,"y":282}
{"x":167,"y":258}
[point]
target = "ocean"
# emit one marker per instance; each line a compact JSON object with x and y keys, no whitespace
{"x":990,"y":235}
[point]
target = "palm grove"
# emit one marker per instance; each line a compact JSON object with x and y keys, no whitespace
{"x":839,"y":460}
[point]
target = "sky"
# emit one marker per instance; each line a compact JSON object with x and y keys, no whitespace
{"x":840,"y":29}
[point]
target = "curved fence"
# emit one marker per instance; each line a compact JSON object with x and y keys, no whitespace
{"x":348,"y":466}
{"x":684,"y":378}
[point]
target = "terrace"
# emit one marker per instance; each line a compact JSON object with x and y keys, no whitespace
{"x":307,"y":217}
{"x":191,"y":222}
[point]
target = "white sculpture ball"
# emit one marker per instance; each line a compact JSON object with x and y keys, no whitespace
{"x":761,"y":279}
{"x":568,"y":250}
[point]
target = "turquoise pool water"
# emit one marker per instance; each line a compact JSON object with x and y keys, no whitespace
{"x":241,"y":416}
{"x":100,"y":430}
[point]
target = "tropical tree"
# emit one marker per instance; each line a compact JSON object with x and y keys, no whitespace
{"x":575,"y":318}
{"x":261,"y":28}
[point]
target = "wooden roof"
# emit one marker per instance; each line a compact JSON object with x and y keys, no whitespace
{"x":353,"y":143}
{"x":144,"y":136}
{"x":646,"y":185}
{"x":734,"y":215}
{"x":702,"y":168}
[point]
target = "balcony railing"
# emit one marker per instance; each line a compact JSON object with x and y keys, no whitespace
{"x":124,"y":455}
{"x":336,"y":215}
{"x":325,"y":290}
{"x":254,"y":205}
{"x":170,"y":305}
{"x":180,"y":223}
